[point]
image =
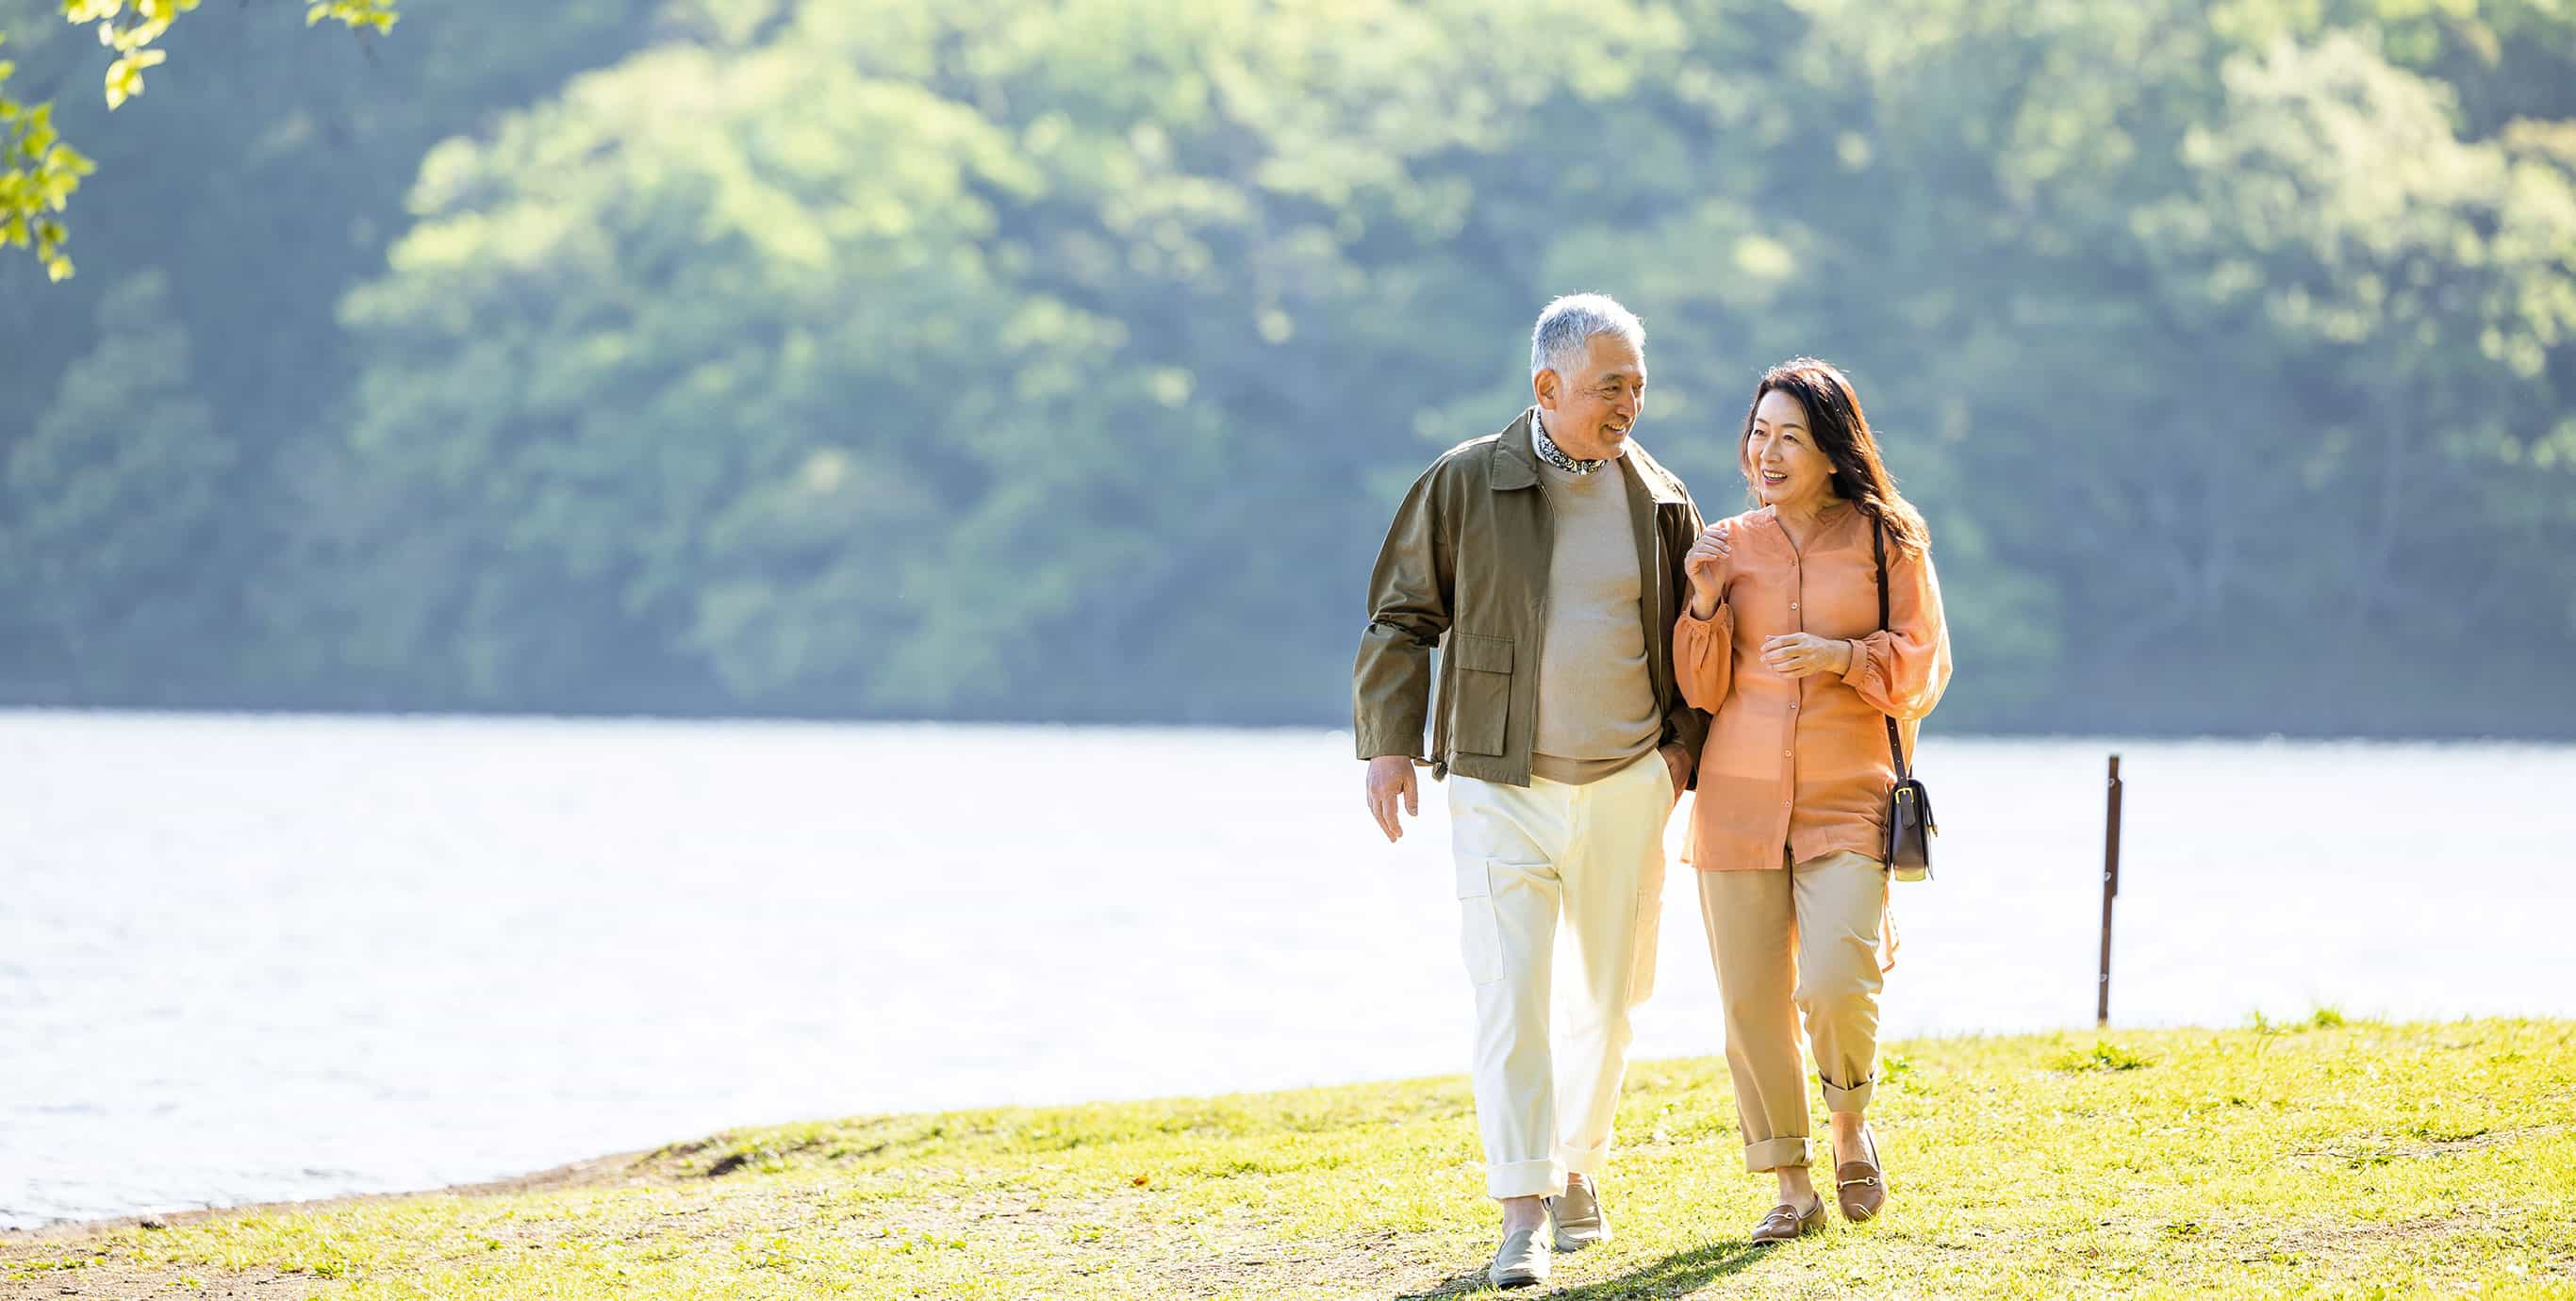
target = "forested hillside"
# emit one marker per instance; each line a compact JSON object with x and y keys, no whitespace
{"x":902,"y":358}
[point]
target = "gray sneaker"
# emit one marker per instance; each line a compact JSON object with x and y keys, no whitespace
{"x":1580,"y":1221}
{"x":1522,"y":1261}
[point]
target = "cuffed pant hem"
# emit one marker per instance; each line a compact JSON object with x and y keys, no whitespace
{"x":1855,"y":1098}
{"x":1773,"y":1153}
{"x":1583,"y":1161}
{"x":1524,"y":1179}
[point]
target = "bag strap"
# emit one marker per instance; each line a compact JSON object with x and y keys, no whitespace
{"x":1878,"y":552}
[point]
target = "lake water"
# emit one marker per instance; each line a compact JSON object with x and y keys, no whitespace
{"x":248,"y":959}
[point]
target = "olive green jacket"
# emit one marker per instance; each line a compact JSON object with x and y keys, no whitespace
{"x":1465,"y":568}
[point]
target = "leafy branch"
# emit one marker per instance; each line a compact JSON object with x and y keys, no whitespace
{"x":39,"y":172}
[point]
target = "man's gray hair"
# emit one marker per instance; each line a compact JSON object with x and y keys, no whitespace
{"x":1567,"y":326}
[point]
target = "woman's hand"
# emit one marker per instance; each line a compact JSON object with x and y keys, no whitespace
{"x":1800,"y":654}
{"x":1706,"y":568}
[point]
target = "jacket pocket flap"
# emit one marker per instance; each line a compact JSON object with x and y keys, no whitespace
{"x":1484,"y":654}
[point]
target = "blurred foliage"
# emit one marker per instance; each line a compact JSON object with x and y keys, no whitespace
{"x":895,"y":358}
{"x":114,"y":495}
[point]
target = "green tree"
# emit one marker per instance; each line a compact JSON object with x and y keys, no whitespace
{"x":750,"y":409}
{"x":1062,"y":360}
{"x":1149,"y":254}
{"x":2236,"y":329}
{"x":112,"y":501}
{"x":271,"y":179}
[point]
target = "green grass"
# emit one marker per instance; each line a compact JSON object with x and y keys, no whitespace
{"x":2321,"y":1157}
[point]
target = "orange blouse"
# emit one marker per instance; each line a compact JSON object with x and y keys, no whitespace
{"x":1801,"y":764}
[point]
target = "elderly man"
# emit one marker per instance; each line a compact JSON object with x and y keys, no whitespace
{"x":1545,"y":563}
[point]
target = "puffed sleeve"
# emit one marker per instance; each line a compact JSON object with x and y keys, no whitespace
{"x":1704,"y":656}
{"x":1903,"y":668}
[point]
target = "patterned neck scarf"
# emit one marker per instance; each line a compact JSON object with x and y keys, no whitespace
{"x":1549,"y":452}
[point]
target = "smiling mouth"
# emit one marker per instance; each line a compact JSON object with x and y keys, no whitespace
{"x":1770,"y":480}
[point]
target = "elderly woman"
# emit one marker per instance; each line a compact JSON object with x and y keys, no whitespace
{"x":1782,"y":643}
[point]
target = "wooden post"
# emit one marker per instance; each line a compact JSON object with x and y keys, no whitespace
{"x":2110,"y":891}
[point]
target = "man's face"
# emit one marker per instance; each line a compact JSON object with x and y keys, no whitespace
{"x":1589,"y":414}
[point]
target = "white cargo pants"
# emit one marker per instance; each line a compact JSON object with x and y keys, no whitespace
{"x":1595,"y":854}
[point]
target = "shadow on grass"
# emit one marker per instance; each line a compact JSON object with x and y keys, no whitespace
{"x":1678,"y":1274}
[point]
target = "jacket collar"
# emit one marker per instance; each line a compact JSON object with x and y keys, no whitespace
{"x":1514,"y":464}
{"x":1658,"y":481}
{"x":1515,"y":456}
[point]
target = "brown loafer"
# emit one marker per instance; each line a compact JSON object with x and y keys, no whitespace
{"x":1861,"y":1186}
{"x":1786,"y":1222}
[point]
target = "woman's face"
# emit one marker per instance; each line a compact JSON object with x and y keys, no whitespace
{"x":1788,"y":471}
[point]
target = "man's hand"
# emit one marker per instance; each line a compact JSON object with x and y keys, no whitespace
{"x":1705,"y":566}
{"x":1679,"y":760}
{"x":1800,"y":654}
{"x":1390,"y":778}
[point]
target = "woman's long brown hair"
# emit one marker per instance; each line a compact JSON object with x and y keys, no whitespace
{"x":1842,"y":433}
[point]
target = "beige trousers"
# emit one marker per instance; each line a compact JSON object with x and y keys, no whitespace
{"x":1802,"y":940}
{"x":1593,"y":854}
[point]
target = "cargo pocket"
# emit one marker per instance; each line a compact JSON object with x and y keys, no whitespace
{"x":1649,"y":920}
{"x":1480,"y":932}
{"x":1650,"y":930}
{"x":1484,"y":701}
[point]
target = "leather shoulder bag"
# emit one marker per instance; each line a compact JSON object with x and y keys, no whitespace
{"x":1908,"y":845}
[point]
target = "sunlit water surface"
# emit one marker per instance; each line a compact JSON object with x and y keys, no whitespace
{"x":249,"y":959}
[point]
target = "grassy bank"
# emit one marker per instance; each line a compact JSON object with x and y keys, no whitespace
{"x":2319,"y":1158}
